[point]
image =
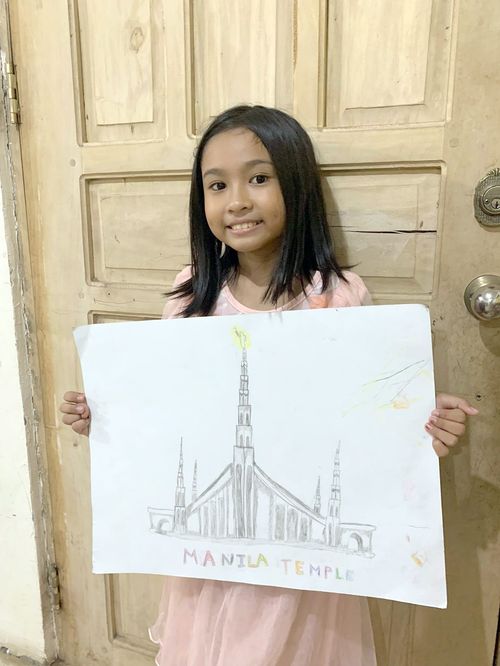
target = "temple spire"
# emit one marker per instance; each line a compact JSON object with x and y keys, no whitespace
{"x":194,"y":492}
{"x":180,"y":470}
{"x":317,"y":498}
{"x":244,"y":395}
{"x":332,"y":523}
{"x":180,"y":498}
{"x":244,"y":426}
{"x":336,"y":475}
{"x":244,"y":485}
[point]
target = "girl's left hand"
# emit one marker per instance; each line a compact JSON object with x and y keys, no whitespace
{"x":447,"y":422}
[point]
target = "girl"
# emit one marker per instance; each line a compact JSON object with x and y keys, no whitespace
{"x":260,"y":242}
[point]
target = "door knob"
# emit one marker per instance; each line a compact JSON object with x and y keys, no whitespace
{"x":482,"y":297}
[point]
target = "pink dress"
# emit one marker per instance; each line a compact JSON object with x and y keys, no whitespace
{"x":212,"y":623}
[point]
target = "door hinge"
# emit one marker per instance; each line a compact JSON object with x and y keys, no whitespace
{"x":12,"y":94}
{"x":54,"y":586}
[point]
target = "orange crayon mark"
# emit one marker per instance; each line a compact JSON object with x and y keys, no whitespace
{"x":418,"y":559}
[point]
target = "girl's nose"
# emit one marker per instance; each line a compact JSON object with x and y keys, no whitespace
{"x":238,"y":201}
{"x":238,"y":206}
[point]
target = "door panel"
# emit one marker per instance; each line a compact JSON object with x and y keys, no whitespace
{"x":385,"y":222}
{"x":401,"y":100}
{"x":232,"y":63}
{"x":119,"y":46}
{"x":136,"y":229}
{"x":388,"y":62}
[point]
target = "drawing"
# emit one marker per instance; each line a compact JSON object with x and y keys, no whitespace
{"x":262,"y":463}
{"x":244,"y":503}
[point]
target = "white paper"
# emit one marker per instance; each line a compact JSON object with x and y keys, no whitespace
{"x":320,"y":477}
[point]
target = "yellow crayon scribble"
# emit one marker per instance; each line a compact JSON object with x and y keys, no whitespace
{"x":418,"y":559}
{"x":400,"y":403}
{"x":241,"y":338}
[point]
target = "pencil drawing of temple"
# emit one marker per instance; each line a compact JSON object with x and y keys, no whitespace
{"x":243,"y":502}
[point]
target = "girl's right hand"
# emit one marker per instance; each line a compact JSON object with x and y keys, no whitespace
{"x":76,"y":412}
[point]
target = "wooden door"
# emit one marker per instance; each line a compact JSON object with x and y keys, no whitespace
{"x":401,"y":98}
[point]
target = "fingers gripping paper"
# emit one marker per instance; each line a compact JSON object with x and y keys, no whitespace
{"x":281,"y":449}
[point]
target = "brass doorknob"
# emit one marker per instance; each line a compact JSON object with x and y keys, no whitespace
{"x":482,"y":297}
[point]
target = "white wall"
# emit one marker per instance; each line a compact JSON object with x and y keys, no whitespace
{"x":21,"y":628}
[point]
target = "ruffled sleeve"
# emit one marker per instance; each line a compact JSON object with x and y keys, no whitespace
{"x":350,"y":293}
{"x":174,"y":306}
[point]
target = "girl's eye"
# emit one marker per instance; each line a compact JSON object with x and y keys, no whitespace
{"x":216,"y":187}
{"x":259,"y":179}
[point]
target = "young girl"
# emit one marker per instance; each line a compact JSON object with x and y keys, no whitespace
{"x":260,"y":242}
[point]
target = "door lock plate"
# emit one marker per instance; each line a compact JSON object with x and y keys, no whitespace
{"x":487,"y":199}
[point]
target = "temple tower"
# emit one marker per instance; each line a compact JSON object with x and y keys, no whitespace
{"x":194,"y":491}
{"x":317,"y":498}
{"x":243,"y":459}
{"x":332,"y":523}
{"x":196,"y":517}
{"x":180,"y":499}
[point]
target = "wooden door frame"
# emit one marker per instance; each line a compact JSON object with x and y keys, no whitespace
{"x":18,"y":254}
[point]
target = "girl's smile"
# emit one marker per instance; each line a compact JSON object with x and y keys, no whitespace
{"x":241,"y":228}
{"x":244,"y":205}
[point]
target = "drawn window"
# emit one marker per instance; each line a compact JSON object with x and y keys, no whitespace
{"x":355,"y":543}
{"x":303,"y":529}
{"x":213,"y":518}
{"x":222,"y":515}
{"x":164,"y":526}
{"x":238,"y":504}
{"x":205,"y":520}
{"x":279,"y":528}
{"x":291,"y":525}
{"x":249,"y":479}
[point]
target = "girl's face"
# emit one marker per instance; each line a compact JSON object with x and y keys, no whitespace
{"x":243,"y":201}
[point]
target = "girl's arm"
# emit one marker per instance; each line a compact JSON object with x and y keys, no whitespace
{"x":447,"y":422}
{"x":75,"y":409}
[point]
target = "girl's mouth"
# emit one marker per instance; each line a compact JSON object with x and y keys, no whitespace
{"x":240,"y":227}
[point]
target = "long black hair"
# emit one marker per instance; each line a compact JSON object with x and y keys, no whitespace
{"x":306,"y":245}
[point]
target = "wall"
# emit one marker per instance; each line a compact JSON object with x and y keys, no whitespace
{"x":21,"y":627}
